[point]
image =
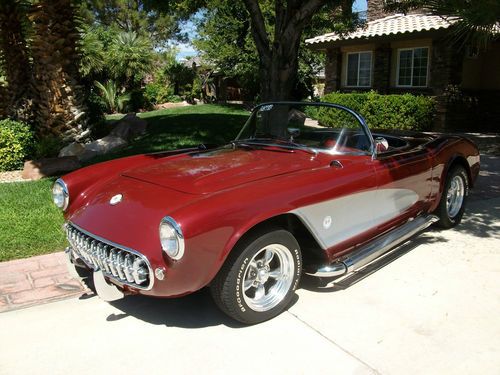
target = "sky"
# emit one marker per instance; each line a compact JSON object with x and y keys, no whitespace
{"x":187,"y":49}
{"x":359,"y":5}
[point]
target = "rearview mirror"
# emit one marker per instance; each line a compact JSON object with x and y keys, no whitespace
{"x":293,"y":132}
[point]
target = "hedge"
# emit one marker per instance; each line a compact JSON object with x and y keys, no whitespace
{"x":16,"y":142}
{"x":404,"y":112}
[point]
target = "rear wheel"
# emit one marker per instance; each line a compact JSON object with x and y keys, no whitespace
{"x":258,"y":280}
{"x":452,"y":205}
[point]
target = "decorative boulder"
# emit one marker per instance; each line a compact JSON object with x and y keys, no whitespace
{"x":129,"y":127}
{"x":37,"y":169}
{"x":296,"y":117}
{"x":102,"y":146}
{"x":73,"y":149}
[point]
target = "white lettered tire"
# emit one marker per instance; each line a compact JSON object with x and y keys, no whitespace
{"x":259,"y":278}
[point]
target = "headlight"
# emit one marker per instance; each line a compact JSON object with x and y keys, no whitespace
{"x":171,"y":238}
{"x":60,"y":194}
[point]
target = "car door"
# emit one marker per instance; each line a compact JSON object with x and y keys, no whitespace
{"x":404,"y":185}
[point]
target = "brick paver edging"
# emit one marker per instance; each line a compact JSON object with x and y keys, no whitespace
{"x":32,"y":281}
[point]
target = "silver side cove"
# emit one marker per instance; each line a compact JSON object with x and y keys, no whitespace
{"x":375,"y":249}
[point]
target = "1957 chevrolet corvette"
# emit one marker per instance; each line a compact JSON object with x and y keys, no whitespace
{"x":305,"y":187}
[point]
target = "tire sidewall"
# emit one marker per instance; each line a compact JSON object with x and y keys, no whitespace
{"x":446,"y":220}
{"x":281,"y":237}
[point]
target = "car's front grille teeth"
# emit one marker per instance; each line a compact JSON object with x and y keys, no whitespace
{"x":120,"y":264}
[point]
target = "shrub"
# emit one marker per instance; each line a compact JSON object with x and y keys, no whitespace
{"x":16,"y":142}
{"x":174,"y":99}
{"x":47,"y":147}
{"x":403,"y":112}
{"x":114,"y":101}
{"x":96,"y":106}
{"x":157,"y":93}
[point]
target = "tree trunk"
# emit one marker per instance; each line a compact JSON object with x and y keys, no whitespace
{"x":59,"y":107}
{"x":278,"y":74}
{"x":279,"y":56}
{"x":15,"y":97}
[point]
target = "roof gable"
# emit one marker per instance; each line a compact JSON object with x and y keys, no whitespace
{"x":395,"y":24}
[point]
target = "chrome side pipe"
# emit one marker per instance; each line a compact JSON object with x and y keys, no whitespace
{"x":368,"y":253}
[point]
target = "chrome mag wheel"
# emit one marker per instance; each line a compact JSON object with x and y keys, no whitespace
{"x":455,"y":196}
{"x":268,"y":277}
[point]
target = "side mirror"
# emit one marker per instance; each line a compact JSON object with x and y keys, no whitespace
{"x":381,"y":144}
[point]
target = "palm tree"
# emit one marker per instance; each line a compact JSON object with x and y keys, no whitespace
{"x":93,"y":56}
{"x":477,"y":21}
{"x":15,"y":60}
{"x":112,"y":98}
{"x":59,"y":108}
{"x":131,"y":58}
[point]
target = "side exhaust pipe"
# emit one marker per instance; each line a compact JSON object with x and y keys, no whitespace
{"x":375,"y":249}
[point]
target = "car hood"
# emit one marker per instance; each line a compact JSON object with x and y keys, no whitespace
{"x":212,"y":171}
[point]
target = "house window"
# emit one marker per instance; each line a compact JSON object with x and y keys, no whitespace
{"x":413,"y":67}
{"x":359,"y":69}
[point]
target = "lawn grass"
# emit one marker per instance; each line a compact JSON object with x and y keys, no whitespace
{"x":170,"y":129}
{"x":31,"y":225}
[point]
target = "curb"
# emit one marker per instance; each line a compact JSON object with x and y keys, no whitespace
{"x":37,"y":280}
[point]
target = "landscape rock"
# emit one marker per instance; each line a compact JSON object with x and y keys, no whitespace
{"x":296,"y":117}
{"x":129,"y":127}
{"x":37,"y":169}
{"x":172,"y":105}
{"x":73,"y":149}
{"x":101,"y":146}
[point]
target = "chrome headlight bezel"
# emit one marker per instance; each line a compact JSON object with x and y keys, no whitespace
{"x":60,"y":194}
{"x":170,"y":233}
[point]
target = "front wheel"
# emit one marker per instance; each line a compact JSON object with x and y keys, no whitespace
{"x":258,"y":280}
{"x":452,"y":205}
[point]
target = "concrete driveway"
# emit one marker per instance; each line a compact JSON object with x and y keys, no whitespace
{"x":432,"y":307}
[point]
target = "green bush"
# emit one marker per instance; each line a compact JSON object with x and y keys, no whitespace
{"x":174,"y":99}
{"x":403,"y":112}
{"x":47,"y":147}
{"x":157,"y":93}
{"x":16,"y":142}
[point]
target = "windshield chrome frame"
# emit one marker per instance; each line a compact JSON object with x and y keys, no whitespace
{"x":356,"y":115}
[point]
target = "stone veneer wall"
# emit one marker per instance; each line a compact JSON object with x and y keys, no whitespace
{"x":332,"y":69}
{"x":382,"y":68}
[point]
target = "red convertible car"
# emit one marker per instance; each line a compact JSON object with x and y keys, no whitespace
{"x":304,"y":187}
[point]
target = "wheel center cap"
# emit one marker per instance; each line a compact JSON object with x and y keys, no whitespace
{"x":262,"y":275}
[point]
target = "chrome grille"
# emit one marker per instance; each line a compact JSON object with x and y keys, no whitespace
{"x":116,"y":262}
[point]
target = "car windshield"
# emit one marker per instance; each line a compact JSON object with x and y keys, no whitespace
{"x":314,"y":126}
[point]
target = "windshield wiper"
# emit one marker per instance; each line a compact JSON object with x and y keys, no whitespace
{"x":243,"y":144}
{"x":295,"y":146}
{"x":260,"y":143}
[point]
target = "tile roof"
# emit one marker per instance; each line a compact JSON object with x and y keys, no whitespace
{"x":395,"y":24}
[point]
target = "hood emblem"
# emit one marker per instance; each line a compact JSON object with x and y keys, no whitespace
{"x":115,"y":199}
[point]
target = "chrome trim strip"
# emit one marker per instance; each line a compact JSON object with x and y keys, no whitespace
{"x":119,"y":247}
